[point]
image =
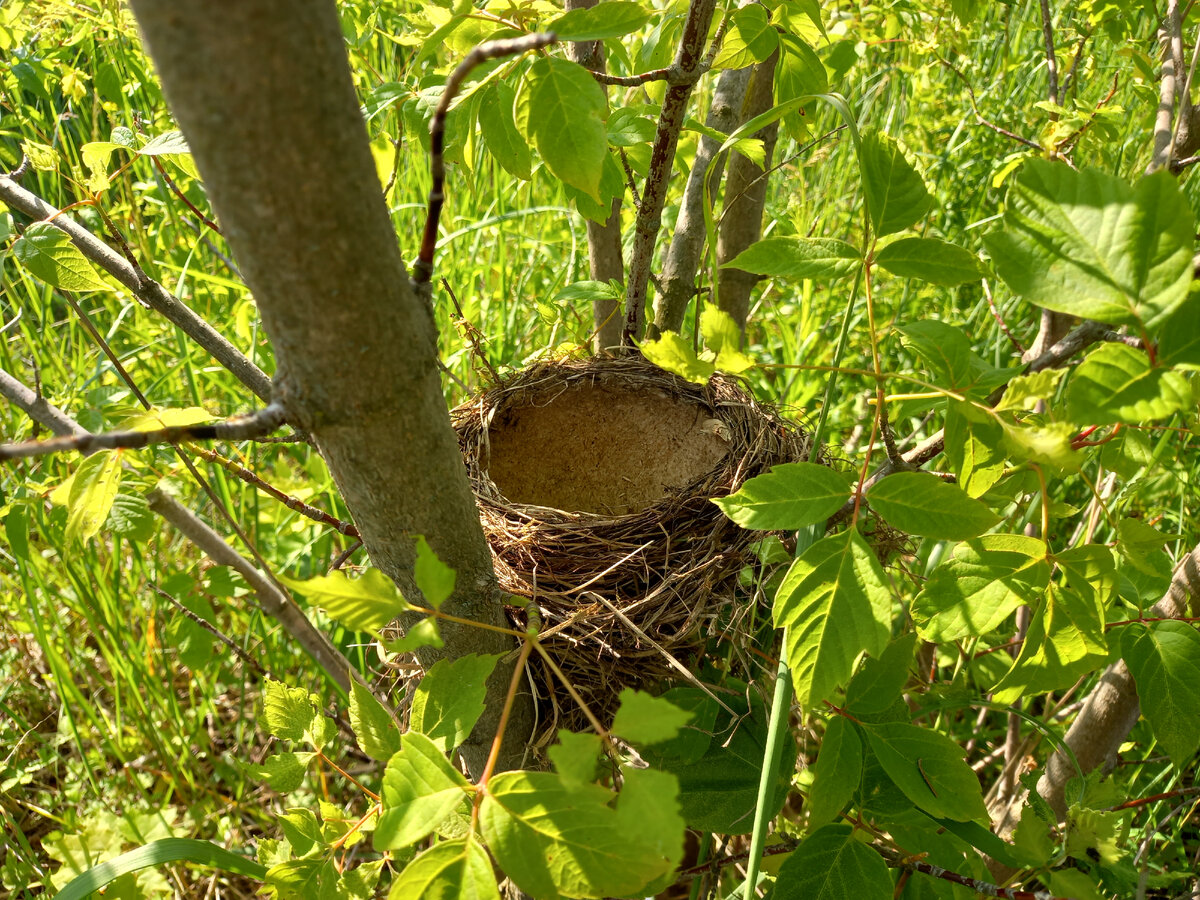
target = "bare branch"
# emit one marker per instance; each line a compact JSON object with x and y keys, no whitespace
{"x":36,"y":407}
{"x":241,"y":428}
{"x":273,"y":600}
{"x":687,"y":244}
{"x":146,"y":289}
{"x":606,"y":261}
{"x":423,"y":268}
{"x":1171,"y":37}
{"x":979,"y":117}
{"x":247,"y":660}
{"x":1051,"y":58}
{"x":662,"y":158}
{"x":293,"y":503}
{"x":1112,"y":708}
{"x":745,"y":198}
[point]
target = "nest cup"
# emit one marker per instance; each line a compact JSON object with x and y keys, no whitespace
{"x":594,"y":481}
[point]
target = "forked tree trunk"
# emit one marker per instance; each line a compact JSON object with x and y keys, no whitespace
{"x":262,"y":90}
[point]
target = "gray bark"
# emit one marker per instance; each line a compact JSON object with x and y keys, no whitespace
{"x":1112,"y":708}
{"x":605,"y":262}
{"x":683,"y":258}
{"x":745,"y":197}
{"x":262,"y":90}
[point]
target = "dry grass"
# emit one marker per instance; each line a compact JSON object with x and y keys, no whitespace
{"x":625,"y":600}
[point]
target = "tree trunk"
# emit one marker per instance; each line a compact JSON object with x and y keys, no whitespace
{"x":262,"y":90}
{"x":605,"y":262}
{"x":687,"y":244}
{"x":745,"y":197}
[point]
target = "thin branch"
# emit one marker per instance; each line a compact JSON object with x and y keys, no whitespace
{"x":240,"y":428}
{"x":987,"y":123}
{"x":293,"y":503}
{"x":980,"y":887}
{"x":37,"y":408}
{"x":1080,"y":338}
{"x":146,"y":289}
{"x":472,"y":335}
{"x":671,"y":75}
{"x":249,"y":661}
{"x":1170,"y":35}
{"x":22,"y":167}
{"x":662,"y":158}
{"x":422,"y":270}
{"x":1051,"y":58}
{"x":682,"y":259}
{"x":273,"y":600}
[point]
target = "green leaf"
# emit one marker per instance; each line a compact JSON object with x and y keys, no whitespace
{"x":929,"y":259}
{"x":377,"y":731}
{"x":788,"y":497}
{"x":799,"y":72}
{"x":287,"y":712}
{"x":95,"y":156}
{"x":420,"y":789}
{"x":837,"y":772}
{"x":895,"y":191}
{"x":1090,"y":571}
{"x":366,"y":603}
{"x":1116,"y":384}
{"x":453,"y":870}
{"x":1025,"y":391}
{"x":283,"y":772}
{"x":1065,"y":640}
{"x":750,"y":39}
{"x":166,"y":144}
{"x":1164,"y":658}
{"x":301,"y":829}
{"x":42,"y":157}
{"x":1044,"y":444}
{"x":672,"y":353}
{"x":558,"y":841}
{"x":880,"y":681}
{"x":794,"y":257}
{"x":980,"y":585}
{"x":424,"y":633}
{"x":434,"y":578}
{"x":562,"y":109}
{"x":448,"y":701}
{"x":723,"y":337}
{"x":718,"y":759}
{"x":1142,"y":545}
{"x":643,"y":719}
{"x":832,"y":864}
{"x":93,"y":490}
{"x":574,"y":757}
{"x":835,"y":604}
{"x":499,"y":128}
{"x":929,"y":768}
{"x":947,"y":351}
{"x":974,"y":447}
{"x":130,"y":517}
{"x":1089,"y":244}
{"x":1032,"y":839}
{"x":49,"y":255}
{"x":155,"y":853}
{"x":1179,"y":337}
{"x":614,"y":19}
{"x":921,"y":503}
{"x":628,"y":127}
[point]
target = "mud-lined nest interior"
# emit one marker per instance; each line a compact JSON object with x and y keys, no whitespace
{"x":594,"y":481}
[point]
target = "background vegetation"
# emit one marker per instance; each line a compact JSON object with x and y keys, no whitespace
{"x":124,"y":720}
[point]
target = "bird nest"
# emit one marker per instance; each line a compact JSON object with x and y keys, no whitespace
{"x":594,"y":481}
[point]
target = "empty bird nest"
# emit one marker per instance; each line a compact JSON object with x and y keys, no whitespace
{"x":594,"y":480}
